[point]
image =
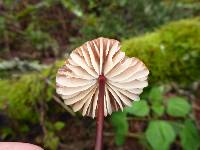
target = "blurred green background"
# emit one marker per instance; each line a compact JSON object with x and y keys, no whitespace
{"x":37,"y":35}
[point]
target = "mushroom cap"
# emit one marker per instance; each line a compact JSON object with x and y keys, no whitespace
{"x":77,"y":80}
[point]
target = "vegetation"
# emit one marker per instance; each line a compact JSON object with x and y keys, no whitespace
{"x":155,"y":108}
{"x":28,"y":25}
{"x":35,"y":34}
{"x":167,"y":117}
{"x":169,"y":51}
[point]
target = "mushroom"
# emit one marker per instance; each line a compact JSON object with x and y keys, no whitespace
{"x":99,"y":75}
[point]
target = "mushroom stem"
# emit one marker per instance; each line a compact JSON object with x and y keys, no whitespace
{"x":100,"y":113}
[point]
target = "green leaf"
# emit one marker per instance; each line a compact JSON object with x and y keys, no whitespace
{"x":156,"y":95}
{"x":51,"y":141}
{"x":138,"y":108}
{"x":120,"y":125}
{"x":59,"y":125}
{"x":158,"y":109}
{"x":190,"y":137}
{"x":160,"y":135}
{"x":177,"y":126}
{"x":178,"y":107}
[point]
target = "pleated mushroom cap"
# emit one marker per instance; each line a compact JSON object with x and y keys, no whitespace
{"x":77,"y":80}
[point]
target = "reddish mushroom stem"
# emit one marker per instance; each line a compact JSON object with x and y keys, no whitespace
{"x":100,"y":114}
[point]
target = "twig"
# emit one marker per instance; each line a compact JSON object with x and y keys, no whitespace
{"x":57,"y":99}
{"x":42,"y":117}
{"x":134,"y":135}
{"x":130,"y":134}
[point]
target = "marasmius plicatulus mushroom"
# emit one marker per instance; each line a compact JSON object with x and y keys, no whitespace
{"x":98,"y":79}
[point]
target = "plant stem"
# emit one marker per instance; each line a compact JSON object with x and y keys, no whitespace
{"x":100,"y":114}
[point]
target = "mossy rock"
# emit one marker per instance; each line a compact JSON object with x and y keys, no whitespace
{"x":172,"y":53}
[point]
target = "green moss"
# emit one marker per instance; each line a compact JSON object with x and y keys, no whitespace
{"x":20,"y":96}
{"x":172,"y":53}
